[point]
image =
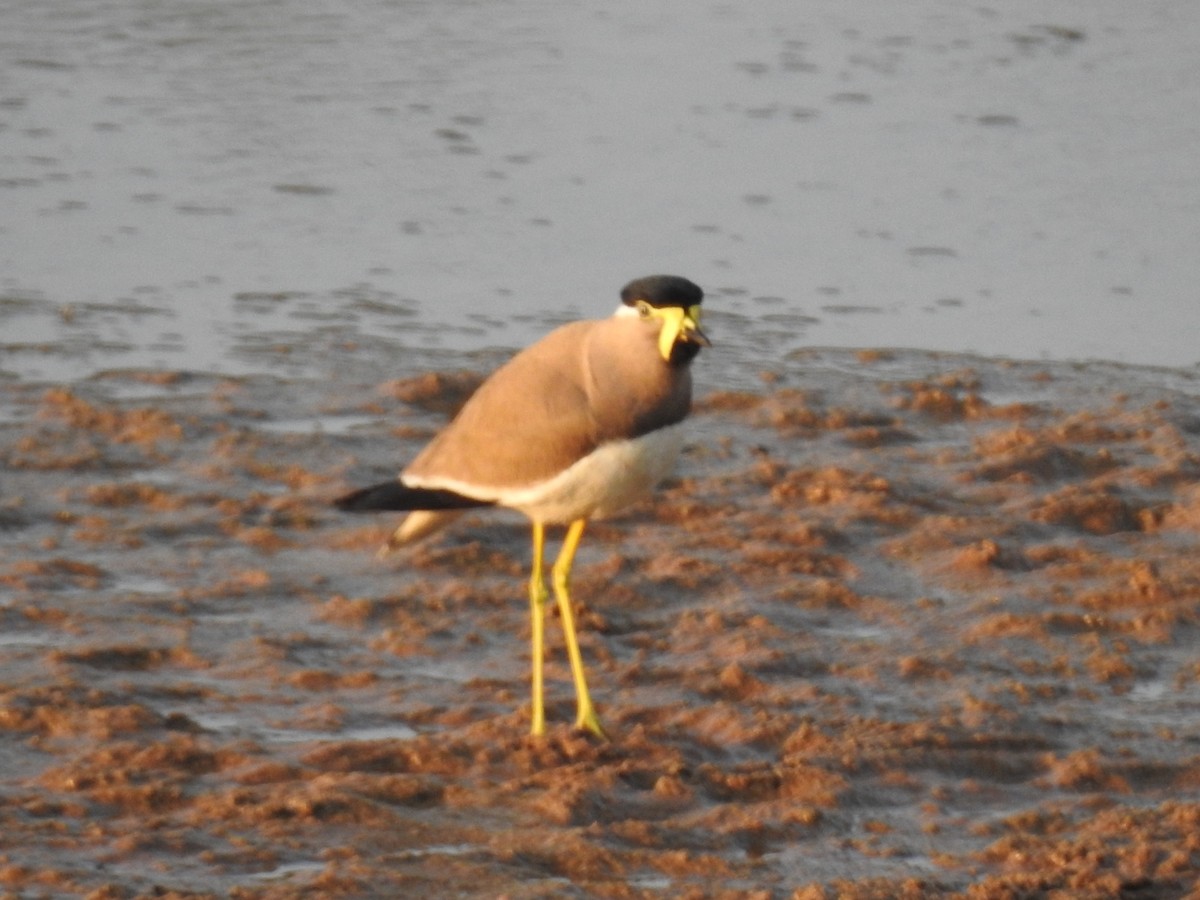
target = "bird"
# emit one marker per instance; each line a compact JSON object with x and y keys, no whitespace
{"x":576,"y":426}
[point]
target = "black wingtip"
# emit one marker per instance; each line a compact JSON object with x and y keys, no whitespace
{"x":379,"y":496}
{"x":399,"y":497}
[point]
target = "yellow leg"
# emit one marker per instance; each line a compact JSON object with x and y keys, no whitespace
{"x":537,"y":615}
{"x":561,"y":574}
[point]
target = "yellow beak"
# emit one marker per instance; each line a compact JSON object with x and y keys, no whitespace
{"x":679,"y":324}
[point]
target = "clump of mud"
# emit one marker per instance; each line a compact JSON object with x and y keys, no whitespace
{"x":903,"y":626}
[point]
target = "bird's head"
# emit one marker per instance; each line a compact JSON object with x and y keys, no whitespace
{"x":674,"y":303}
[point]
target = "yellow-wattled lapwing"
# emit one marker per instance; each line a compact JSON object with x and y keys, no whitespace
{"x":576,"y":426}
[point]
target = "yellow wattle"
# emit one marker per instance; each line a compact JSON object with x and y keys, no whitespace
{"x":672,"y":323}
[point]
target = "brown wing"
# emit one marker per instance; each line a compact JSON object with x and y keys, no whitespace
{"x":527,"y":422}
{"x":582,"y":385}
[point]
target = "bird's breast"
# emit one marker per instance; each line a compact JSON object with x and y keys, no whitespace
{"x":614,"y":475}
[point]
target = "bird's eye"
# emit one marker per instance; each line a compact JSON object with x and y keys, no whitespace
{"x":643,"y":309}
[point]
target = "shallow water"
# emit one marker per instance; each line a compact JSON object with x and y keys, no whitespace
{"x":186,"y":183}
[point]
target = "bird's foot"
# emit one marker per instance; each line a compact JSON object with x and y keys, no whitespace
{"x":537,"y":728}
{"x":588,"y":721}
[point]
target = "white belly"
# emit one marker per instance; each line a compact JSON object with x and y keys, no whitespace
{"x":611,"y":477}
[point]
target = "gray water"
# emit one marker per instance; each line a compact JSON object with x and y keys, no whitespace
{"x":185,"y":184}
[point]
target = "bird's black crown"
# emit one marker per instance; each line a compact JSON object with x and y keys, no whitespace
{"x":661,"y":291}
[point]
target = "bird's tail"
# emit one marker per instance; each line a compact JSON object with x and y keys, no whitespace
{"x":417,"y":526}
{"x":429,"y":509}
{"x":395,"y":495}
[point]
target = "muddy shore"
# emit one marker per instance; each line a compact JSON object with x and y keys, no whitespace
{"x":903,"y":625}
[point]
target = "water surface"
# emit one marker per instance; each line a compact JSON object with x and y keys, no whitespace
{"x":181,"y":181}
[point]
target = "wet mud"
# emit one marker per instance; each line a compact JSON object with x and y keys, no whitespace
{"x":903,"y":625}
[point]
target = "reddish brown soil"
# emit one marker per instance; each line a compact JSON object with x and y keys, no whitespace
{"x":904,"y":626}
